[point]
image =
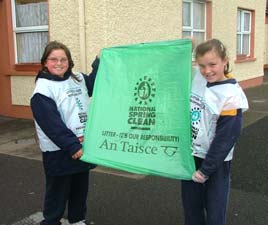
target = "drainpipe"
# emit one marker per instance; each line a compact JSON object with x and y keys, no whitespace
{"x":82,"y":35}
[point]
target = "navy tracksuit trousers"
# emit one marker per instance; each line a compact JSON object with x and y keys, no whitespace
{"x":206,"y":204}
{"x":61,"y":190}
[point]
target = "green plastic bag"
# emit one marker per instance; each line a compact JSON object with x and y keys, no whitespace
{"x":139,"y":119}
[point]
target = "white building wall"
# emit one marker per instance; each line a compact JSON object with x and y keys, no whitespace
{"x":224,"y":14}
{"x":120,"y":22}
{"x":111,"y":23}
{"x":266,"y":45}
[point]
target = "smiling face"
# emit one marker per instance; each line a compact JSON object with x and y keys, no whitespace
{"x":57,"y":62}
{"x":212,"y":66}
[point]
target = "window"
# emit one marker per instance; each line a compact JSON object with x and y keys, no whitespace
{"x":245,"y":23}
{"x":30,"y":28}
{"x":194,"y":20}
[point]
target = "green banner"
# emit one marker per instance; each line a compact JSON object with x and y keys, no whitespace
{"x":139,"y":118}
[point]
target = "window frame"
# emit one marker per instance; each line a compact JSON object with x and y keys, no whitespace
{"x":190,"y":28}
{"x":25,"y":66}
{"x":250,"y":56}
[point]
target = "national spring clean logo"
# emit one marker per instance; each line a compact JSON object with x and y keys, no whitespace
{"x":142,"y":116}
{"x":144,"y":90}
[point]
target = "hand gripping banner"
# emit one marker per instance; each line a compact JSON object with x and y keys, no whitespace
{"x":139,"y":119}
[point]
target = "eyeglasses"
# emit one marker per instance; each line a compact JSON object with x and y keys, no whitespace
{"x":56,"y":60}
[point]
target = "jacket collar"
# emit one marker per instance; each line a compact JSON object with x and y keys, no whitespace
{"x":50,"y":76}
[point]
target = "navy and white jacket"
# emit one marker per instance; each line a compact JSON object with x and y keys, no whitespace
{"x":216,"y":111}
{"x":60,"y":107}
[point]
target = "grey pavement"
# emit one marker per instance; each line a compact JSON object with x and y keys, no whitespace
{"x":119,"y":198}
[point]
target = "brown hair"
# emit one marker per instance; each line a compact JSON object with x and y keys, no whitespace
{"x":213,"y":45}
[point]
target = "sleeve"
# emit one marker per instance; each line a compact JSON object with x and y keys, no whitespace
{"x":228,"y":129}
{"x":90,"y":80}
{"x":47,"y":116}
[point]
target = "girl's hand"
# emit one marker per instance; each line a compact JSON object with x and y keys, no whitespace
{"x":199,"y":177}
{"x":78,"y":154}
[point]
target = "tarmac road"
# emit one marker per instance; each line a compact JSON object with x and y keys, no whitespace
{"x":118,"y":198}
